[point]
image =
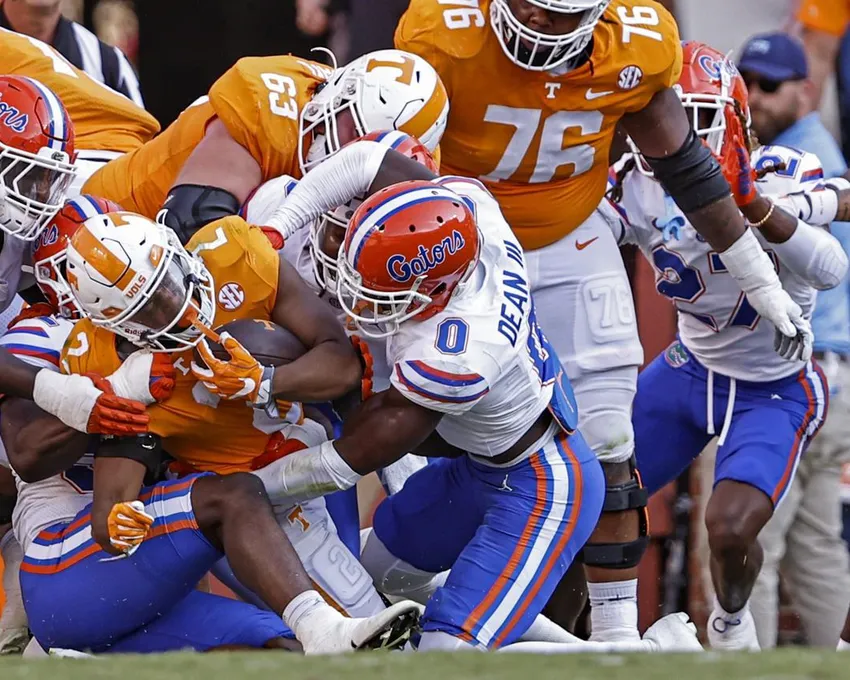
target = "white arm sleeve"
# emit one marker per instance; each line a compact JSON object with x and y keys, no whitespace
{"x":345,"y":175}
{"x":814,"y":255}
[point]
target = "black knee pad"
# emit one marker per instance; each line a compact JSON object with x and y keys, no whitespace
{"x":620,"y":498}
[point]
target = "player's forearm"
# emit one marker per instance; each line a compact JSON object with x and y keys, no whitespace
{"x":814,"y":255}
{"x":18,"y":378}
{"x":328,"y":371}
{"x":779,"y":226}
{"x":39,"y":445}
{"x":720,"y":223}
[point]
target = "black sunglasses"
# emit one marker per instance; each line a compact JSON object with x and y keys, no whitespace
{"x":766,"y":85}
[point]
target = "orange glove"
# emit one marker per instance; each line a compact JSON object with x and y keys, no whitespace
{"x":367,"y":363}
{"x":274,"y":237}
{"x":128,"y":524}
{"x":243,"y":377}
{"x":33,"y":311}
{"x":163,"y":376}
{"x":114,"y":415}
{"x":736,"y":164}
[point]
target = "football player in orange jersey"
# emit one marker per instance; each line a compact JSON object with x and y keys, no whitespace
{"x":267,"y":117}
{"x":536,"y":89}
{"x":237,"y":275}
{"x":107,"y":123}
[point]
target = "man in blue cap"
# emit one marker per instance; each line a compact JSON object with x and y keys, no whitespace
{"x":805,"y":531}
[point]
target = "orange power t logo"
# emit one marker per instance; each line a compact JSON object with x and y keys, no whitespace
{"x":405,"y":67}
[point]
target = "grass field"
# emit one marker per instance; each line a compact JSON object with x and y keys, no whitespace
{"x":779,"y":665}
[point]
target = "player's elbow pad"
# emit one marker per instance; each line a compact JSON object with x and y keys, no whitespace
{"x":814,"y":255}
{"x":691,"y":175}
{"x":191,"y":206}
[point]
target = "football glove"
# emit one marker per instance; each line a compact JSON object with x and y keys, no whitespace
{"x":737,"y":169}
{"x":34,"y":311}
{"x":243,"y":377}
{"x":128,"y":525}
{"x":88,"y":404}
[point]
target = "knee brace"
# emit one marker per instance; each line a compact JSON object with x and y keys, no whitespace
{"x":619,"y":498}
{"x":190,"y":206}
{"x":605,"y":412}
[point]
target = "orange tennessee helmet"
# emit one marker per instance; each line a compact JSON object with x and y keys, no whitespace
{"x":49,"y":256}
{"x":406,"y":251}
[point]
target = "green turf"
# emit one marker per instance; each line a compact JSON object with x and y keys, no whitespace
{"x":780,"y":665}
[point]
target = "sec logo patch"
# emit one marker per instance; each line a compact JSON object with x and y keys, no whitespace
{"x":630,"y":77}
{"x":231,"y":296}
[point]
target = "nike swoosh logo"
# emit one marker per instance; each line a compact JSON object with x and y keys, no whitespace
{"x":590,"y":94}
{"x":581,"y":245}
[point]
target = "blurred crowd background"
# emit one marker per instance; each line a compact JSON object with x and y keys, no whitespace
{"x":179,"y":47}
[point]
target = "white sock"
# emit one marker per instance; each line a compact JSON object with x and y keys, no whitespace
{"x":543,"y":629}
{"x":305,"y":612}
{"x":613,"y":610}
{"x":842,"y":645}
{"x":438,"y":641}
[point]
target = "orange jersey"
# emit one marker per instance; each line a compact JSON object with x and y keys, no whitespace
{"x":540,"y":141}
{"x":258,"y":100}
{"x":198,"y":428}
{"x":828,"y":16}
{"x":104,"y":120}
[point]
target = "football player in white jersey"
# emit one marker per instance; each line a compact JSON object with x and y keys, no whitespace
{"x":432,"y":266}
{"x":725,"y":376}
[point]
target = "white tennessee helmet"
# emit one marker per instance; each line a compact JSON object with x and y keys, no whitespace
{"x":538,"y":51}
{"x":383,"y":90}
{"x":132,"y":276}
{"x":792,"y":170}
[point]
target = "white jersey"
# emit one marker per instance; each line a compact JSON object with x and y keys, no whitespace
{"x":297,"y":251}
{"x":56,"y":499}
{"x":716,"y":322}
{"x":481,"y":361}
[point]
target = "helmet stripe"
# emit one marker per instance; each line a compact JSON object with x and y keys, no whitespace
{"x":56,"y":126}
{"x":85,"y":207}
{"x":387,"y":209}
{"x":100,"y":258}
{"x":429,"y":114}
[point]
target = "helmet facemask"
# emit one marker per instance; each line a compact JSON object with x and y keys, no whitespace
{"x":32,"y":189}
{"x":536,"y":51}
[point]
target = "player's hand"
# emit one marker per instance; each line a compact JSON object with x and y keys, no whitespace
{"x":243,"y":377}
{"x":794,"y":337}
{"x":88,"y":404}
{"x":737,"y":169}
{"x":34,"y":311}
{"x":274,"y":237}
{"x":148,"y":377}
{"x":128,"y":525}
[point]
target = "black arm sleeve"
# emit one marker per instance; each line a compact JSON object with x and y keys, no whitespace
{"x":145,"y":449}
{"x":191,"y":206}
{"x":692,"y":176}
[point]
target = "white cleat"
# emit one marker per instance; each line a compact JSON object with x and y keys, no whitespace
{"x":732,"y":633}
{"x":69,"y":653}
{"x":389,"y":629}
{"x":673,"y":633}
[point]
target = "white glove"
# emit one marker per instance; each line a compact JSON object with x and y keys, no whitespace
{"x":132,"y":379}
{"x":673,"y":633}
{"x":753,"y":270}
